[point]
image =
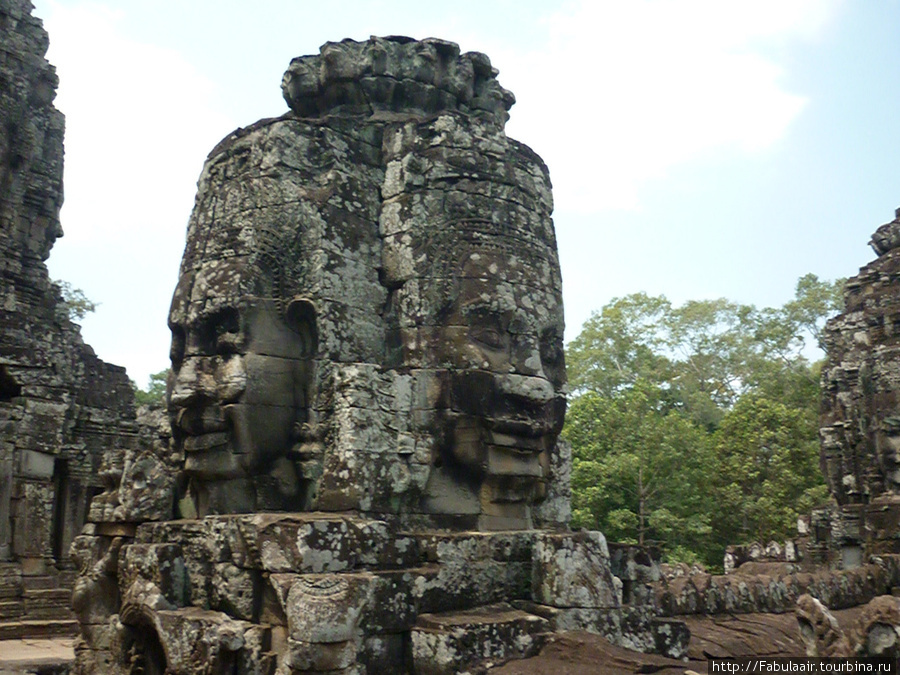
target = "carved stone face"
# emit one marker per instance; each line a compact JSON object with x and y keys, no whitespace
{"x":239,"y":385}
{"x":503,"y":400}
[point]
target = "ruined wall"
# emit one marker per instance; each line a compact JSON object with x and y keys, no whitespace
{"x":61,"y":408}
{"x":745,"y":593}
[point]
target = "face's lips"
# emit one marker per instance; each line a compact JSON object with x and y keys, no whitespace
{"x":522,"y":429}
{"x":205,"y":442}
{"x":213,"y":463}
{"x":515,"y":443}
{"x":199,"y":421}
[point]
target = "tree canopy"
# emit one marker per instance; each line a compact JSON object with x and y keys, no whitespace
{"x":696,"y":426}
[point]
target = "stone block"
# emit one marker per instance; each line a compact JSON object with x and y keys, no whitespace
{"x":326,"y":608}
{"x":255,"y":656}
{"x":671,"y":637}
{"x":447,"y":644}
{"x":573,"y":570}
{"x":193,"y":636}
{"x":391,"y":606}
{"x":162,"y":565}
{"x":33,"y":566}
{"x":386,"y":653}
{"x":316,"y":656}
{"x":89,"y":661}
{"x":34,"y":464}
{"x":235,"y":591}
{"x":472,"y":568}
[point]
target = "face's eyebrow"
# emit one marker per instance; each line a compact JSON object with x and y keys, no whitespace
{"x":478,"y":307}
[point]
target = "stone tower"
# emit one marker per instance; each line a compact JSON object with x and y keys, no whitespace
{"x":861,"y":404}
{"x":366,"y":397}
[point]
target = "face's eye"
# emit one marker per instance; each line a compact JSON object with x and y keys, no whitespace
{"x":551,"y":350}
{"x":176,"y":349}
{"x":221,"y":333}
{"x":553,"y":356}
{"x":488,"y":336}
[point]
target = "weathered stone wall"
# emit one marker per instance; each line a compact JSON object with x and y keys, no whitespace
{"x":61,"y":408}
{"x":776,"y":593}
{"x":375,"y":275}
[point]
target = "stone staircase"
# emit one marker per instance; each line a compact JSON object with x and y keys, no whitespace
{"x":35,"y":606}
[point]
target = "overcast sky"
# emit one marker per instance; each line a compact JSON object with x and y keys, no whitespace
{"x":698,"y":149}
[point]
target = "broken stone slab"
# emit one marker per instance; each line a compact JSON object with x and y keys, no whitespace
{"x":671,"y":637}
{"x":449,"y":643}
{"x":573,"y":570}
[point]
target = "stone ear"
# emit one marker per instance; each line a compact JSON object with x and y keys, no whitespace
{"x":300,"y":316}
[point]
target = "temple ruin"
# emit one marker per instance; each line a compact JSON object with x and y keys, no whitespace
{"x":361,"y":469}
{"x":861,"y":399}
{"x":61,"y":408}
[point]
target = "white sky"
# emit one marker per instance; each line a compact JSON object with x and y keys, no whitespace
{"x":698,"y":148}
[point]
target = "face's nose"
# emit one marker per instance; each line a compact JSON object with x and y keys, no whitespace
{"x":532,"y":388}
{"x":205,"y":378}
{"x":192,"y":382}
{"x":526,"y":355}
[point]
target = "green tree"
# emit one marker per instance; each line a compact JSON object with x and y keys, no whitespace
{"x":787,"y":343}
{"x":622,"y":342}
{"x":767,"y":470}
{"x":77,"y":304}
{"x":155,"y":393}
{"x":696,"y":425}
{"x":693,"y":353}
{"x":636,"y":467}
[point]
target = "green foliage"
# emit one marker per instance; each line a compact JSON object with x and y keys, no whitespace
{"x":696,"y":426}
{"x":76,"y":302}
{"x":155,"y":393}
{"x":636,"y":468}
{"x":773,"y":450}
{"x":620,"y":344}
